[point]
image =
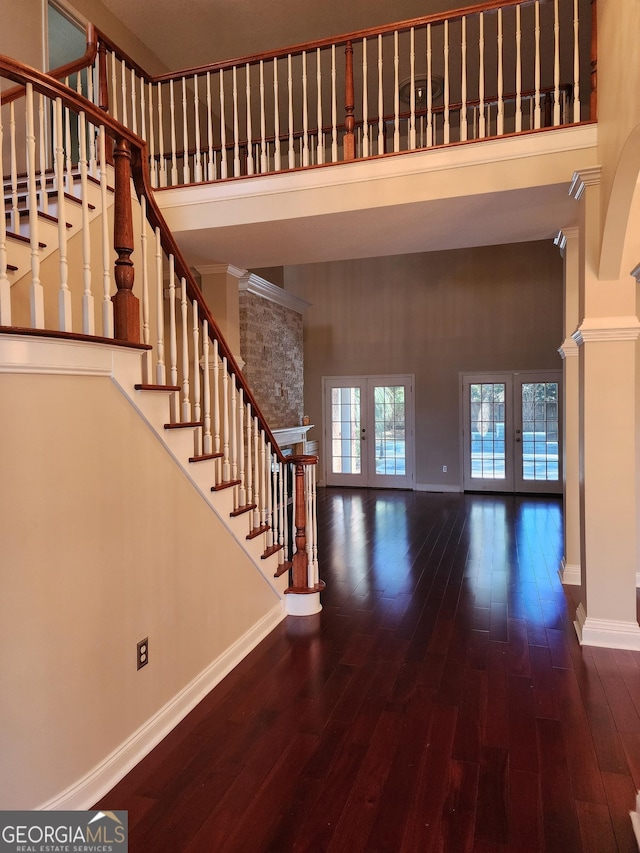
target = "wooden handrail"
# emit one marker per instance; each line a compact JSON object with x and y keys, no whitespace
{"x":63,"y":71}
{"x":128,"y":141}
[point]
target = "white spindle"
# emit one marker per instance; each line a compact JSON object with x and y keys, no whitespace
{"x":93,"y":163}
{"x":320,"y":143}
{"x":269,"y":491}
{"x":256,"y":475}
{"x":184,"y":313}
{"x":236,"y":141}
{"x":216,"y":398}
{"x":226,"y":463}
{"x":88,"y":308}
{"x":64,"y":294}
{"x":44,"y":198}
{"x":207,"y":445}
{"x":67,"y":146}
{"x":211,"y":167}
{"x":430,"y":139}
{"x":242,"y":490}
{"x":365,"y":101}
{"x":536,"y":115}
{"x":249,"y":474}
{"x":5,"y":284}
{"x":146,"y":330}
{"x":576,"y":64}
{"x":412,"y":93}
{"x":123,"y":80}
{"x":277,"y":157}
{"x":396,"y":93}
{"x":380,"y":100}
{"x":114,"y":87}
{"x":291,"y":152}
{"x":481,"y":117}
{"x":155,"y":180}
{"x":463,"y":82}
{"x":250,"y":163}
{"x":143,"y":110}
{"x":314,"y":575}
{"x":134,"y":104}
{"x":162,"y":166}
{"x":15,"y":216}
{"x":263,"y":124}
{"x":186,"y":172}
{"x":264,"y":479}
{"x":334,"y":108}
{"x":197,"y":162}
{"x":282,"y":507}
{"x":518,"y":70}
{"x":556,"y":65}
{"x":173,"y":341}
{"x":305,"y":112}
{"x":161,"y":370}
{"x":172,"y":114}
{"x":500,"y":106}
{"x":36,"y":290}
{"x":223,"y":131}
{"x":107,"y":304}
{"x":197,"y":401}
{"x":234,"y":430}
{"x":446,"y":92}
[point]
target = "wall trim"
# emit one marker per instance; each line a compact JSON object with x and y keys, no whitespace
{"x":568,"y":348}
{"x":90,"y":788}
{"x":224,"y":269}
{"x":32,"y":354}
{"x":436,"y":487}
{"x":563,"y":236}
{"x":252,"y":283}
{"x":570,"y":573}
{"x":606,"y":633}
{"x":583,"y":178}
{"x":626,"y":328}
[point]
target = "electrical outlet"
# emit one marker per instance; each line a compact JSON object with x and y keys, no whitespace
{"x":143,"y":652}
{"x":444,"y":469}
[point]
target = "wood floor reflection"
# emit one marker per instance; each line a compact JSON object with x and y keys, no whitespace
{"x":440,"y":702}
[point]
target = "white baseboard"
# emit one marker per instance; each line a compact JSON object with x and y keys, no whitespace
{"x":84,"y":793}
{"x":436,"y":487}
{"x":635,"y":819}
{"x":606,"y":633}
{"x":569,"y":573}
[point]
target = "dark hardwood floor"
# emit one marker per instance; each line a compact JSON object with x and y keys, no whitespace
{"x":440,"y":702}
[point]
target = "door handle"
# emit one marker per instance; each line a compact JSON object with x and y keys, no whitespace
{"x":518,"y":439}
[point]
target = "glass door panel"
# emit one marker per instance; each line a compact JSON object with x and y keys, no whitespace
{"x":345,"y":431}
{"x":538,"y":434}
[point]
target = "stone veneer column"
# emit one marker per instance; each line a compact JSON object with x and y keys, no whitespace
{"x":569,"y":570}
{"x":606,"y":337}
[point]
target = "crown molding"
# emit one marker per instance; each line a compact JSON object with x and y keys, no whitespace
{"x":568,"y":348}
{"x":217,"y":269}
{"x":607,"y":329}
{"x":583,"y":178}
{"x":564,"y":235}
{"x":252,"y":283}
{"x":636,"y":273}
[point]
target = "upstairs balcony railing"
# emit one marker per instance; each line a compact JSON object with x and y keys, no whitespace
{"x":484,"y":71}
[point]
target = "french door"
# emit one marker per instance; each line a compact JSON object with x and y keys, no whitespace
{"x":368,"y":431}
{"x":511,"y":432}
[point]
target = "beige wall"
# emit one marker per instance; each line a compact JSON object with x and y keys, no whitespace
{"x":104,"y":542}
{"x":434,"y":315}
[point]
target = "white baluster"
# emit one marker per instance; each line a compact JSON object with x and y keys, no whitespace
{"x":576,"y":64}
{"x":44,"y":198}
{"x":314,"y":576}
{"x":113,"y":108}
{"x":365,"y":101}
{"x":207,"y":445}
{"x":536,"y":113}
{"x":249,"y":477}
{"x":15,"y":216}
{"x":107,"y":304}
{"x":93,"y":162}
{"x":186,"y":172}
{"x":556,"y":65}
{"x":197,"y":407}
{"x":320,"y":142}
{"x":242,"y":490}
{"x":263,"y":124}
{"x":226,"y":464}
{"x":334,"y":108}
{"x":430,"y":139}
{"x":123,"y":79}
{"x":282,"y":511}
{"x":223,"y":131}
{"x":173,"y":339}
{"x":412,"y":94}
{"x":36,"y":290}
{"x":134,"y":105}
{"x":234,"y":430}
{"x":446,"y":126}
{"x":5,"y":284}
{"x":143,"y":110}
{"x":500,"y":106}
{"x":172,"y":113}
{"x":64,"y":294}
{"x":236,"y":141}
{"x":396,"y":93}
{"x":184,"y":311}
{"x":153,"y":163}
{"x":161,"y":371}
{"x":250,"y":161}
{"x":197,"y":163}
{"x":162,"y":168}
{"x":518,"y":71}
{"x":269,"y":486}
{"x":67,"y":145}
{"x":257,"y":475}
{"x":88,"y":307}
{"x":216,"y":398}
{"x":305,"y":112}
{"x":292,"y":153}
{"x":211,"y":166}
{"x":463,"y":98}
{"x":277,"y":158}
{"x":380,"y":100}
{"x":264,"y":479}
{"x":481,"y":117}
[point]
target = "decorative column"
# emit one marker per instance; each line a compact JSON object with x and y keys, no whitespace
{"x":569,"y":571}
{"x":126,"y":307}
{"x":607,"y":341}
{"x":219,"y":286}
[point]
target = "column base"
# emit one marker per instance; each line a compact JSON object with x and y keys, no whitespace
{"x":570,"y":573}
{"x":303,"y":604}
{"x":606,"y":633}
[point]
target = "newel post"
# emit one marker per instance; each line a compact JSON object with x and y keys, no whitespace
{"x":349,"y":104}
{"x":303,"y":596}
{"x":126,"y":309}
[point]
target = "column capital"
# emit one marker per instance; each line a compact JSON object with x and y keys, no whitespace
{"x":607,"y":329}
{"x":583,"y":178}
{"x":568,"y":348}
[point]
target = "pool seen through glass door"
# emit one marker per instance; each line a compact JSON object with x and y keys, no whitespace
{"x":512,"y":431}
{"x":368,"y":431}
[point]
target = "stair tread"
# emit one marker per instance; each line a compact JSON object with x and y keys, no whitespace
{"x":283,"y":568}
{"x":184,"y":425}
{"x":205,"y":456}
{"x":141,"y":386}
{"x":24,"y":214}
{"x":23,"y":239}
{"x":269,"y":552}
{"x":242,"y":509}
{"x":257,"y":531}
{"x":225,"y":484}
